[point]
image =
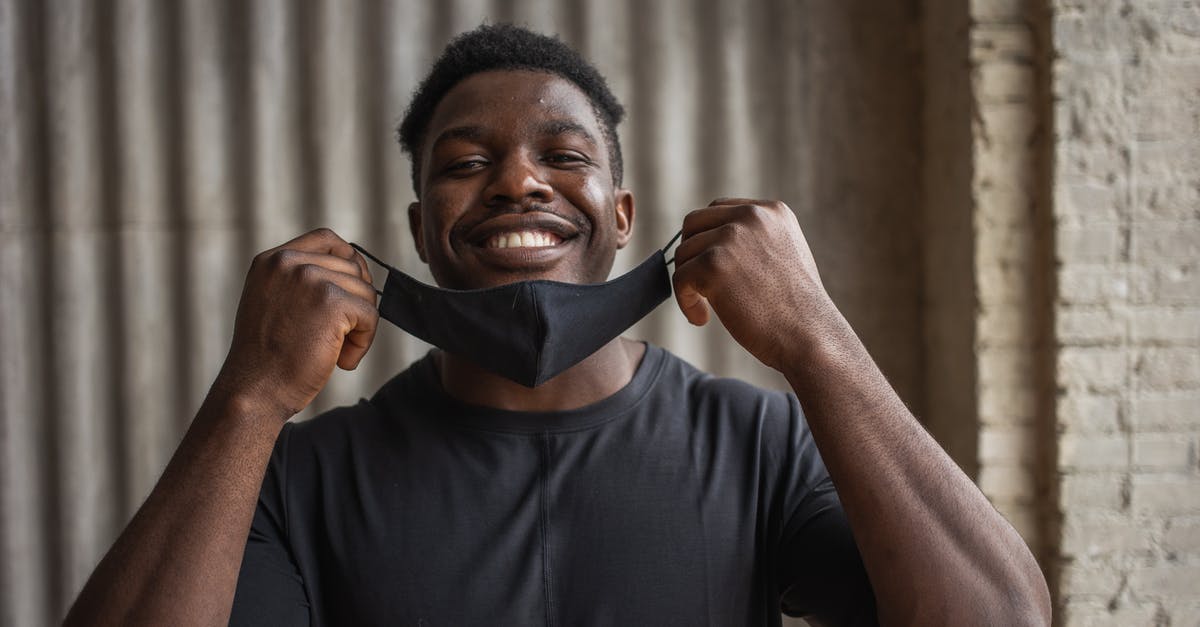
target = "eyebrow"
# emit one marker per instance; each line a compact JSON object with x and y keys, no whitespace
{"x":566,"y":127}
{"x":469,"y":133}
{"x":552,"y":128}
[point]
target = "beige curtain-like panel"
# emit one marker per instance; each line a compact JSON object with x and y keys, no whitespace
{"x":149,"y":149}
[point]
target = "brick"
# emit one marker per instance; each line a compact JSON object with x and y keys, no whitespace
{"x":1089,"y":326}
{"x":1012,"y":445}
{"x":1165,"y":494}
{"x":1004,"y":246}
{"x":1171,"y":410}
{"x":1092,"y":35}
{"x":1095,"y":151}
{"x":1158,"y":201}
{"x":1079,"y":202}
{"x":1102,"y":615}
{"x":1003,"y":207}
{"x":1091,"y":284}
{"x":1092,"y":368}
{"x":1006,"y":405}
{"x":1085,"y":577}
{"x":1013,"y":484}
{"x":1166,"y":284}
{"x":1182,"y":536}
{"x":1087,"y":413}
{"x":1005,"y":162}
{"x":1004,"y":326}
{"x":1093,"y":491}
{"x":1164,"y":451}
{"x":1169,"y":160}
{"x":1166,"y":368}
{"x":1090,"y":535}
{"x":1175,"y":325}
{"x":998,"y":42}
{"x":1004,"y":81}
{"x":1006,"y":131}
{"x":1005,"y":366}
{"x":1165,"y":241}
{"x":1092,"y":243}
{"x":996,"y":10}
{"x":1165,"y":580}
{"x":1184,"y":611}
{"x":1004,"y":284}
{"x":1159,"y":117}
{"x":1093,"y":452}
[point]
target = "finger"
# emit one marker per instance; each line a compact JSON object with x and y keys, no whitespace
{"x":291,"y":258}
{"x":688,"y":285}
{"x":699,"y":220}
{"x":363,"y":267}
{"x":322,"y":240}
{"x":315,"y":274}
{"x":693,"y":305}
{"x":695,"y":244}
{"x":356,"y":315}
{"x":358,"y":340}
{"x":725,"y":200}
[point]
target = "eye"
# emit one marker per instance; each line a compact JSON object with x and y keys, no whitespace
{"x":466,"y":165}
{"x":566,"y":159}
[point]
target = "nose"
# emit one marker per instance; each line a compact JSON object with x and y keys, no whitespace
{"x":517,"y":179}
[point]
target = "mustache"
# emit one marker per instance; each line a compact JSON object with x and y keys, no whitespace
{"x":581,"y":223}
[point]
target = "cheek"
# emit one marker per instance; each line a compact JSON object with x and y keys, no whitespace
{"x":594,"y":193}
{"x":439,"y":204}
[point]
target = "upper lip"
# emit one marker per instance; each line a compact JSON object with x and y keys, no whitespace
{"x":479,"y":234}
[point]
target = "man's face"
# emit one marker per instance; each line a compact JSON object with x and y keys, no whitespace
{"x":516,"y":185}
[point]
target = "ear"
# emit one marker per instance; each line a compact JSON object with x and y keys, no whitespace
{"x":414,"y":225}
{"x":624,"y":214}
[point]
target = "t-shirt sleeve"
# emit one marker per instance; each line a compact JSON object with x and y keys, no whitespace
{"x":821,"y":572}
{"x":270,"y":590}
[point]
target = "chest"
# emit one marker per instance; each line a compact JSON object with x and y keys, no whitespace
{"x":596,"y":528}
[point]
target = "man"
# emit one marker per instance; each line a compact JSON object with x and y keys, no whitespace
{"x":629,"y":488}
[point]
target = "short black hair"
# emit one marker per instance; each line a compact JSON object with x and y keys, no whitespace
{"x":508,"y":47}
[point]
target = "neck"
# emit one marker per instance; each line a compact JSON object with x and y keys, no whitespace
{"x":599,"y":376}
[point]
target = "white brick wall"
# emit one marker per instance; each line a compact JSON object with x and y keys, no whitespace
{"x":1010,"y":319}
{"x":1127,"y":314}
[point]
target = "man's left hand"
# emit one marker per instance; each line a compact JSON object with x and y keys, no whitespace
{"x":748,"y":260}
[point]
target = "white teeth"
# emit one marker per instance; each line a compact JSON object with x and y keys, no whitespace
{"x":522,"y":239}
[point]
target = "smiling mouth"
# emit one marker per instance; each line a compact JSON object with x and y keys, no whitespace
{"x":529,"y":238}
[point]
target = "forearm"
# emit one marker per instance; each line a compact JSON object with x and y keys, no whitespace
{"x":935,"y":549}
{"x":177,"y":561}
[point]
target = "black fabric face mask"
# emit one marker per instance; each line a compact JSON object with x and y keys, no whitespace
{"x":529,"y":331}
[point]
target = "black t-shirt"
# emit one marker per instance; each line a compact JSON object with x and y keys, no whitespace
{"x":683,"y":499}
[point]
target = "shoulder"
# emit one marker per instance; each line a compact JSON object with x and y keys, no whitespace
{"x":708,"y":393}
{"x":728,"y":411}
{"x":365,"y":424}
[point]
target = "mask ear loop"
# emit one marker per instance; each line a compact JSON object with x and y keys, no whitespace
{"x":372,"y":258}
{"x":668,"y":246}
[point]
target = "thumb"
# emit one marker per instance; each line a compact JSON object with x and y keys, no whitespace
{"x":693,"y":305}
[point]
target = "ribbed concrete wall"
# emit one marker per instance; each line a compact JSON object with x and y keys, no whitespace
{"x":149,"y":149}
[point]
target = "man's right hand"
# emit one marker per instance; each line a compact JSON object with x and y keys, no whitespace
{"x":306,"y":305}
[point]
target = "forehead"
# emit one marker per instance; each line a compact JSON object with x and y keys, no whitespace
{"x":512,"y":99}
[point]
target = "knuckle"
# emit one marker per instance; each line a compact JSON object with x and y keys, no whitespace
{"x":308,"y":273}
{"x":330,"y":292}
{"x":755,"y":213}
{"x":285,"y":258}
